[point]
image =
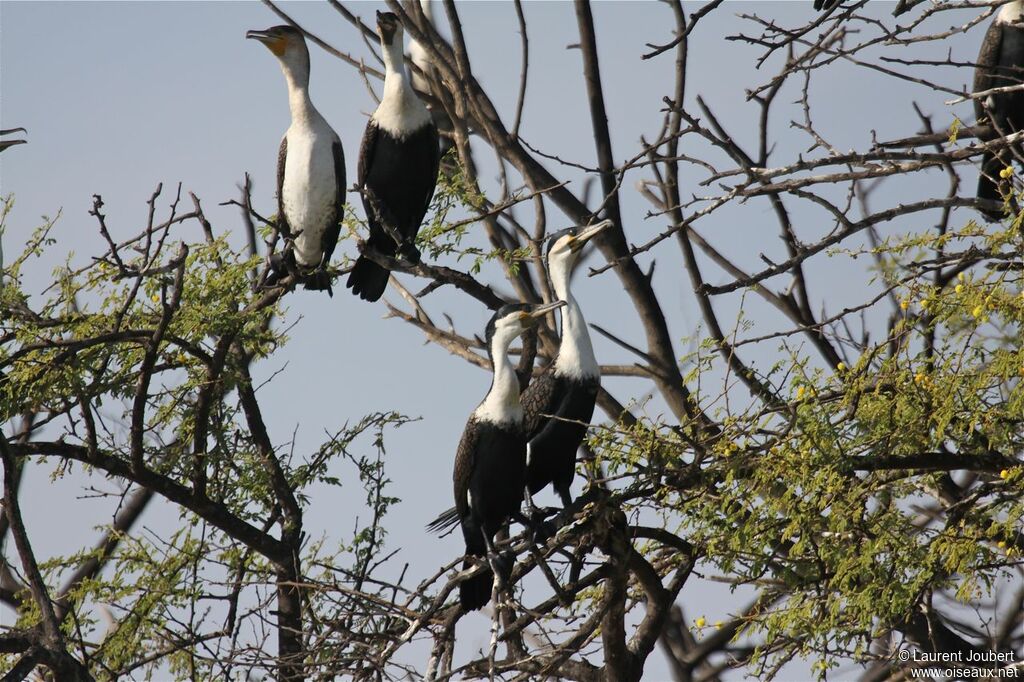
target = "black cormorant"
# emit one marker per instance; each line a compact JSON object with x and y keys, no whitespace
{"x":490,"y":464}
{"x":1000,"y":64}
{"x":559,"y":403}
{"x":310,"y":170}
{"x":398,"y":163}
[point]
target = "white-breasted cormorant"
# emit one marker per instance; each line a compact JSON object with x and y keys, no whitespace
{"x":1000,"y":64}
{"x":559,"y":403}
{"x":490,"y":463}
{"x":398,"y":163}
{"x":310,"y":170}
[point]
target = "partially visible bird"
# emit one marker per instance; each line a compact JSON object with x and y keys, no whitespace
{"x":1000,"y":64}
{"x":559,"y":403}
{"x":420,"y":56}
{"x":421,"y":82}
{"x":310,"y":171}
{"x":398,"y":163}
{"x":825,"y":5}
{"x":4,"y":144}
{"x":490,"y":464}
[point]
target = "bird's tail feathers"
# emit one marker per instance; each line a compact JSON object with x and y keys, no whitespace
{"x":475,"y":592}
{"x":368,"y":279}
{"x":444,"y":521}
{"x":319,"y":280}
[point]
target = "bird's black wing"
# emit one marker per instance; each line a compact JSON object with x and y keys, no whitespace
{"x":282,"y":154}
{"x":435,"y":166}
{"x":465,"y":460}
{"x":988,"y":58}
{"x":540,"y":398}
{"x":366,"y":151}
{"x":825,"y":5}
{"x":330,"y":236}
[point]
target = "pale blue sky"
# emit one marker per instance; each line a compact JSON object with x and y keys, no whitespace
{"x":118,"y":97}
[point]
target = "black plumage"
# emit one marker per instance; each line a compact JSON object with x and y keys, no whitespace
{"x":490,"y":472}
{"x":1000,"y":64}
{"x":825,"y":5}
{"x":490,"y":464}
{"x":559,"y":404}
{"x":397,"y":177}
{"x":398,"y":162}
{"x":554,"y":440}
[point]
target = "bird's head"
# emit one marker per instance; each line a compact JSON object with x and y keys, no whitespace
{"x":389,"y":28}
{"x":513,"y":319}
{"x":564,"y":247}
{"x":284,"y":41}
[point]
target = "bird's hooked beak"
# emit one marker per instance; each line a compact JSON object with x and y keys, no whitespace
{"x":387,"y":25}
{"x":276,"y":44}
{"x":589,"y":233}
{"x":533,"y":316}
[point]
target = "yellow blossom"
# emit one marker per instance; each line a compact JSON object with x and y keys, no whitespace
{"x":960,"y":276}
{"x":841,"y":366}
{"x":904,"y":304}
{"x":700,"y":622}
{"x":800,"y":392}
{"x":959,"y":288}
{"x":718,"y":624}
{"x":924,"y":303}
{"x":1001,"y":545}
{"x":1004,"y":474}
{"x":978,"y":310}
{"x":1006,"y":172}
{"x":156,"y":299}
{"x":919,"y":377}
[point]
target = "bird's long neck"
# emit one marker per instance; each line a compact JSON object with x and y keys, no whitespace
{"x":400,"y":112}
{"x":296,"y":76}
{"x":502,"y":406}
{"x":575,"y":353}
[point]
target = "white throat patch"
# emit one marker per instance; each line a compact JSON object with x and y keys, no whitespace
{"x":1011,"y":12}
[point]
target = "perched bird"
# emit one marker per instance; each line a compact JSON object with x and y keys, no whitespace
{"x":310,"y":171}
{"x":1000,"y":64}
{"x":559,"y":403}
{"x":825,"y":5}
{"x":421,"y":82}
{"x":490,"y":464}
{"x":398,"y":163}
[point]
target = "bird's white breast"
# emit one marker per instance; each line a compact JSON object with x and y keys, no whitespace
{"x":400,"y":112}
{"x":309,"y":190}
{"x":500,"y":410}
